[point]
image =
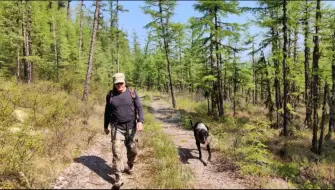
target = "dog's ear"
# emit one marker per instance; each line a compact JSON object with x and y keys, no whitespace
{"x":191,"y":123}
{"x":207,"y":127}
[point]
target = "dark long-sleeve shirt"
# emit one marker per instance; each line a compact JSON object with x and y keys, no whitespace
{"x":122,"y":108}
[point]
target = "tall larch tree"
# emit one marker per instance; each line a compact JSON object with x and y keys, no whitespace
{"x":90,"y":59}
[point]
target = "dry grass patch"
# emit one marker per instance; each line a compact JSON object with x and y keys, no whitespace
{"x":167,"y":171}
{"x":42,"y":130}
{"x":258,"y":152}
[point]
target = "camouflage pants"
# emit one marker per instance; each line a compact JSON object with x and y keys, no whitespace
{"x":118,"y":142}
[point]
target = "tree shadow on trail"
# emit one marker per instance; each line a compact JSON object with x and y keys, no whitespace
{"x":97,"y":165}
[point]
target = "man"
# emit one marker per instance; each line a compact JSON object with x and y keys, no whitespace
{"x":122,"y":106}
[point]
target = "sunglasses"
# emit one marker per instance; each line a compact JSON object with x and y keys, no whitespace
{"x":121,"y":83}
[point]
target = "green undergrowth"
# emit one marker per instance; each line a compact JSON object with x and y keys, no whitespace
{"x":168,"y":171}
{"x":43,"y":126}
{"x":258,"y":150}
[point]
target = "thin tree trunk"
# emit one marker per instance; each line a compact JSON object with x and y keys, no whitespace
{"x":295,"y":57}
{"x":286,"y":71}
{"x":29,"y":40}
{"x":261,"y":86}
{"x":90,"y":59}
{"x":254,"y":96}
{"x":323,"y":118}
{"x":112,"y":40}
{"x":55,"y":46}
{"x":145,"y":57}
{"x":218,"y":65}
{"x":315,"y":85}
{"x":68,"y":10}
{"x":117,"y":36}
{"x":332,"y":99}
{"x":289,"y":41}
{"x":81,"y":30}
{"x":268,"y":101}
{"x":182,"y":68}
{"x":278,"y":47}
{"x":235,"y":84}
{"x":147,"y":46}
{"x":308,"y":120}
{"x":276,"y":79}
{"x":166,"y":47}
{"x":213,"y":99}
{"x":207,"y":93}
{"x":26,"y":53}
{"x":225,"y":91}
{"x":18,"y":52}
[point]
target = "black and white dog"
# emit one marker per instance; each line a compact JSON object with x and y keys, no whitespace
{"x":201,"y":134}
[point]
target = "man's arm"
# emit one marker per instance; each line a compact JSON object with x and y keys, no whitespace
{"x":107,"y":113}
{"x":139,"y":108}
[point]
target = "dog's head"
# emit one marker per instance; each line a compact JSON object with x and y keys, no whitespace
{"x":204,"y":137}
{"x":202,"y":132}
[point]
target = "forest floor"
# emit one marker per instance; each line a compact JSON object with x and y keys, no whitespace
{"x":92,"y":170}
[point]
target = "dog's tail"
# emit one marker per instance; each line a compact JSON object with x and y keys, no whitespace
{"x":191,"y":124}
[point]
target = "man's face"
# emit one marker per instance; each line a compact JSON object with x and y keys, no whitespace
{"x":120,"y":86}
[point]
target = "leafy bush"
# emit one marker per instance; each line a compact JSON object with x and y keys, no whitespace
{"x":35,"y":147}
{"x":6,"y":111}
{"x":18,"y":155}
{"x":290,"y":170}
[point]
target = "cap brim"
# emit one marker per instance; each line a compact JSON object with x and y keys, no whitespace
{"x":119,"y":81}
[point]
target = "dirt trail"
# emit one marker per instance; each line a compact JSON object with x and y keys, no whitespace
{"x":206,"y":177}
{"x":93,"y":168}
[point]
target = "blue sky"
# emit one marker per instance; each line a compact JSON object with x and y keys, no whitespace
{"x":135,"y":19}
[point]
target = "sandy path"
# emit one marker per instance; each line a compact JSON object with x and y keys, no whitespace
{"x":210,"y":176}
{"x":93,"y":168}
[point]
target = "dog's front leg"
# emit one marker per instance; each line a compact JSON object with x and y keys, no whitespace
{"x":198,"y":145}
{"x":209,"y":153}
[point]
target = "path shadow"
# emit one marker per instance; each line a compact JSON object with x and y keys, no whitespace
{"x":186,"y":154}
{"x":98,"y":165}
{"x":166,"y":111}
{"x":167,"y":115}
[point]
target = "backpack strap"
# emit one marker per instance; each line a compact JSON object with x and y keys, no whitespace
{"x":110,"y":95}
{"x":132,"y":93}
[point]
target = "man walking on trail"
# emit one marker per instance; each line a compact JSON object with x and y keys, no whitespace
{"x":122,"y":107}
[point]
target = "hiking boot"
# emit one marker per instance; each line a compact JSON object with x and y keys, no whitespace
{"x":118,"y":183}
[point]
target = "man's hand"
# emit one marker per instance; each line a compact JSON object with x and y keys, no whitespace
{"x":107,"y":131}
{"x":139,"y":126}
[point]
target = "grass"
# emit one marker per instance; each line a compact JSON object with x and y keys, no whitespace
{"x":42,"y":129}
{"x":44,"y":126}
{"x":257,"y":149}
{"x":167,"y":170}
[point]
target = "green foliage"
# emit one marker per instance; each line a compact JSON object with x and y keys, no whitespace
{"x":6,"y":110}
{"x":40,"y":126}
{"x":256,"y":158}
{"x":50,"y":107}
{"x":169,"y":171}
{"x":289,"y":170}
